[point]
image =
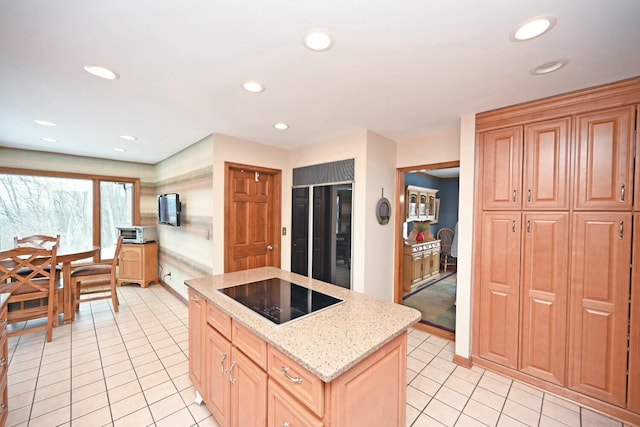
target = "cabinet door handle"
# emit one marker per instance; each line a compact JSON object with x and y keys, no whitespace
{"x":529,"y":195}
{"x":296,"y":380}
{"x":224,"y":357}
{"x":3,"y":361}
{"x":528,"y":226}
{"x":515,"y":192}
{"x":622,"y":191}
{"x":621,"y":235}
{"x":3,"y":323}
{"x":3,"y":409}
{"x":195,"y":298}
{"x":286,"y":424}
{"x":513,"y":226}
{"x":233,"y":380}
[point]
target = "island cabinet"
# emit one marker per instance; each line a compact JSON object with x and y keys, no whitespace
{"x":248,"y":382}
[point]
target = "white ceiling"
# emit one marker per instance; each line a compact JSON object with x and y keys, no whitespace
{"x":403,"y":69}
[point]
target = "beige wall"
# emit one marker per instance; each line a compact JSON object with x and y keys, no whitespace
{"x":437,"y":148}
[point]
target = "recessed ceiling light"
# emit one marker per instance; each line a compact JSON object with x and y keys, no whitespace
{"x":103,"y":72}
{"x":119,"y":149}
{"x":281,"y":126}
{"x":253,"y":87}
{"x":549,"y":67}
{"x":318,"y":41}
{"x":47,"y":139}
{"x":128,"y":137}
{"x":532,"y":28}
{"x":44,"y":123}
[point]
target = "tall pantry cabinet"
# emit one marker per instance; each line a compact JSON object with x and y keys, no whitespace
{"x":556,"y":294}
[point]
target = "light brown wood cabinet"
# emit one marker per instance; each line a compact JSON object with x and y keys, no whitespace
{"x":604,"y":159}
{"x":545,"y":257}
{"x":599,"y":309}
{"x":138,"y":264}
{"x":556,"y":301}
{"x":422,"y":261}
{"x":633,"y":386}
{"x":499,"y":288}
{"x":246,"y":382}
{"x":527,"y":167}
{"x":421,"y":203}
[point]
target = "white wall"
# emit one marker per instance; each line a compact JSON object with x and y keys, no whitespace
{"x":379,"y":239}
{"x":437,"y":148}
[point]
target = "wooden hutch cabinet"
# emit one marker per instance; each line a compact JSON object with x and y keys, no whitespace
{"x":139,"y":264}
{"x":421,"y":264}
{"x":556,"y":303}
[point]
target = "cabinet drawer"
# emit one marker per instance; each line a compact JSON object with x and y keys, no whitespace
{"x":283,"y":410}
{"x":250,"y":344}
{"x":219,"y":320}
{"x":301,"y":383}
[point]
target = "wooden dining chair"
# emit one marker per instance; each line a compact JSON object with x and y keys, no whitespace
{"x":36,"y":241}
{"x":445,"y":235}
{"x":33,"y":295}
{"x":92,"y":280}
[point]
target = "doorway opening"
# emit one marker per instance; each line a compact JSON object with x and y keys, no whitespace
{"x":427,"y":279}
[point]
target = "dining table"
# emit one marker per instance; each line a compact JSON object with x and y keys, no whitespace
{"x":67,"y":254}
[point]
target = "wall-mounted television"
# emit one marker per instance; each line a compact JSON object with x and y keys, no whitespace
{"x":169,"y":209}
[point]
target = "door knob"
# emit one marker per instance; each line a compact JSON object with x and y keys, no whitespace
{"x":270,"y":247}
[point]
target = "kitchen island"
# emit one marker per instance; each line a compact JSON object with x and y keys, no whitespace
{"x":342,"y":366}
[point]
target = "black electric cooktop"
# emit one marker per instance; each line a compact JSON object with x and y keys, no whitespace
{"x":279,"y":300}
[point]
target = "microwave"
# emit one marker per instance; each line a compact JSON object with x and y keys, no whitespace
{"x":138,"y":234}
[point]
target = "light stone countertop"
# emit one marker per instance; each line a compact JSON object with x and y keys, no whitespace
{"x":327,"y":343}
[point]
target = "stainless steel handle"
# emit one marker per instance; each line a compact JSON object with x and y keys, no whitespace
{"x":3,"y":361}
{"x":270,"y":247}
{"x":622,"y":188}
{"x":233,"y":380}
{"x":224,"y":357}
{"x":528,"y":226}
{"x":513,"y":226}
{"x":621,"y":235}
{"x":515,"y":192}
{"x":285,"y":371}
{"x":529,"y":195}
{"x":285,"y":424}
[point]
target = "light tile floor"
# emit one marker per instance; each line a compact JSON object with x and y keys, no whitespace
{"x":130,"y":369}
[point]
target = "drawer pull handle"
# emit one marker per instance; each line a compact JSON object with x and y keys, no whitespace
{"x":224,"y":357}
{"x":3,"y":361}
{"x":233,"y":380}
{"x":285,"y":371}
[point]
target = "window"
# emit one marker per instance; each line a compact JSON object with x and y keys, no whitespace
{"x":70,"y":206}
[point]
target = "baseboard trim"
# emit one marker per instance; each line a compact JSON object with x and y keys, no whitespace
{"x":435,"y":331}
{"x":465,"y":362}
{"x":173,"y":291}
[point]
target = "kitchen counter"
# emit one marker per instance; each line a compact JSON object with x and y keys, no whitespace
{"x":327,"y":343}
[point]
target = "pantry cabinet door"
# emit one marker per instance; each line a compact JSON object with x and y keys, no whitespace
{"x":546,"y":165}
{"x":545,"y":255}
{"x":633,"y":399}
{"x":604,"y":160}
{"x":599,"y":305}
{"x":499,"y":287}
{"x":502,"y":169}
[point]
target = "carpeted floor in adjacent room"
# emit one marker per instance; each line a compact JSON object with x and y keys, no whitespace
{"x":436,"y":302}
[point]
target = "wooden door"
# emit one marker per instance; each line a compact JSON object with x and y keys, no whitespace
{"x":599,"y":305}
{"x":216,"y":384}
{"x":131,"y":262}
{"x":248,"y":392}
{"x":546,"y":165}
{"x":633,"y":399}
{"x":543,"y":330}
{"x":252,"y":217}
{"x":197,"y":322}
{"x":300,"y":231}
{"x":502,"y":169}
{"x":417,"y":267}
{"x":499,"y":287}
{"x":604,"y":159}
